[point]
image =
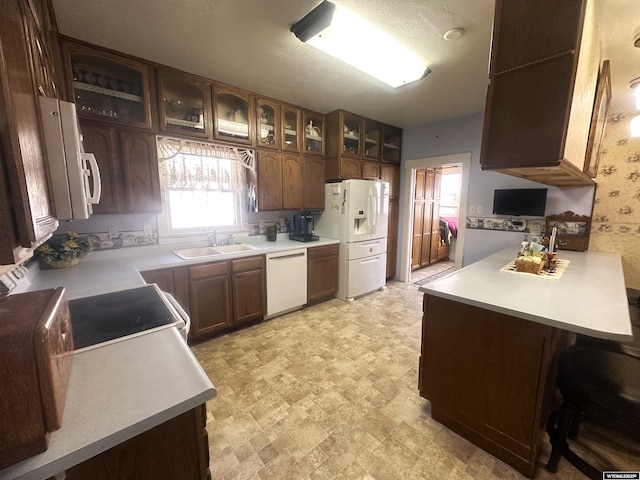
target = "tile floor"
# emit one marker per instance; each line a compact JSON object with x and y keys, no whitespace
{"x":330,"y":392}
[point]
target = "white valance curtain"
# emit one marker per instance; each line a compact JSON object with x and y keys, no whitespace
{"x":188,"y":165}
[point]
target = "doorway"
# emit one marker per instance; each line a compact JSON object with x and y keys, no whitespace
{"x":436,"y":205}
{"x":461,"y":163}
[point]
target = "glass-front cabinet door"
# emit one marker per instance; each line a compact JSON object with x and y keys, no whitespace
{"x":392,"y":142}
{"x":351,"y":135}
{"x":372,"y":136}
{"x":108,"y":86}
{"x":267,"y":123}
{"x":291,"y":119}
{"x":184,"y":103}
{"x":313,"y":133}
{"x":233,"y":115}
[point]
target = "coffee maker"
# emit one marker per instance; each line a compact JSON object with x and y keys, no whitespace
{"x":303,"y":228}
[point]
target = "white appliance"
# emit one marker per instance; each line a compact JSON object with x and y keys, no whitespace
{"x":74,"y":174}
{"x":357,"y":213}
{"x":286,"y":281}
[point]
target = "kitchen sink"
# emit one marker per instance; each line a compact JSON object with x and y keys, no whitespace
{"x":241,"y":247}
{"x":197,"y":252}
{"x":189,"y":253}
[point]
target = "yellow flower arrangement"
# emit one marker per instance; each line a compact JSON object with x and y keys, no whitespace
{"x":63,"y":250}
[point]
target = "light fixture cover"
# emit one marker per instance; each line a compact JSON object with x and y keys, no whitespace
{"x":314,"y":22}
{"x":634,"y":126}
{"x":350,"y":38}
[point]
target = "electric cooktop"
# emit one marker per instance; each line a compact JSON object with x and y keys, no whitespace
{"x":105,"y":317}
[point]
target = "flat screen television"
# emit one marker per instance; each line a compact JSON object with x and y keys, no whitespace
{"x":525,"y":202}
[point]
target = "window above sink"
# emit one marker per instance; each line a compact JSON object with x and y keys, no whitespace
{"x":204,"y":186}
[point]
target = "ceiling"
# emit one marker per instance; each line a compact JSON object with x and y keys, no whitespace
{"x":247,"y":43}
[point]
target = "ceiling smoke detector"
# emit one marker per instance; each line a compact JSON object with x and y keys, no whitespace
{"x":636,"y":42}
{"x":453,"y":34}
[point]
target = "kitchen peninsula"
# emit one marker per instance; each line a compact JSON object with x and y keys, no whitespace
{"x":490,"y":339}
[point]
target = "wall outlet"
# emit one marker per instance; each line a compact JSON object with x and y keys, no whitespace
{"x":146,"y":229}
{"x":479,"y":209}
{"x":472,"y":209}
{"x":112,"y":232}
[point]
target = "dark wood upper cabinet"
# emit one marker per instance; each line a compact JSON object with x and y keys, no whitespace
{"x":28,"y":69}
{"x":110,"y":87}
{"x":268,"y":130}
{"x":292,"y":181}
{"x":140,"y":172}
{"x":233,"y":115}
{"x":372,"y":139}
{"x":391,"y":144}
{"x":269,"y":181}
{"x":313,"y":185}
{"x":184,"y":104}
{"x":128,"y":168}
{"x":541,"y":92}
{"x":313,"y":133}
{"x":291,"y":128}
{"x":103,"y":143}
{"x":551,"y":29}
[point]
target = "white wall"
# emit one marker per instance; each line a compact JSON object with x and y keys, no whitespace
{"x":464,"y":134}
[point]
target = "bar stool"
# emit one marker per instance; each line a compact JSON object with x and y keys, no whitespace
{"x":599,"y":385}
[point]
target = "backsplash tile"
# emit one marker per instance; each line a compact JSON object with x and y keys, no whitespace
{"x":101,"y":240}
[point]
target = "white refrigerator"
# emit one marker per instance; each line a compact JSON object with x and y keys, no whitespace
{"x":356,"y":213}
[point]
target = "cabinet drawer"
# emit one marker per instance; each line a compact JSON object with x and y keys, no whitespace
{"x":208,"y":270}
{"x":319,"y":252}
{"x":578,"y":244}
{"x":247,"y":264}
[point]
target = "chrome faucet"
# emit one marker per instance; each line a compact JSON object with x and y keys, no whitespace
{"x":230,"y":239}
{"x":213,"y":242}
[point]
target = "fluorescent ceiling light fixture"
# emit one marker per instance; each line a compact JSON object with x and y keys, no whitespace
{"x":635,"y":126}
{"x":350,"y":38}
{"x":635,"y":86}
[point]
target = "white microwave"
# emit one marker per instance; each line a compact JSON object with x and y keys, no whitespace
{"x":74,"y":174}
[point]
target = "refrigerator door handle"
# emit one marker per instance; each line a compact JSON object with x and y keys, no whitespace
{"x":373,"y":199}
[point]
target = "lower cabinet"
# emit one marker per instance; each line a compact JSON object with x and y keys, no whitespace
{"x":322,"y":273}
{"x":227,"y":293}
{"x":490,"y":377}
{"x":210,"y":298}
{"x":177,"y":448}
{"x":249,"y":289}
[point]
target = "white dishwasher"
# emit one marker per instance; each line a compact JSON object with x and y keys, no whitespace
{"x":286,"y":281}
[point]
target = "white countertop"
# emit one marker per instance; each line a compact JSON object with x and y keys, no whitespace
{"x":590,"y":297}
{"x":121,"y":389}
{"x":116,"y":392}
{"x":105,"y":271}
